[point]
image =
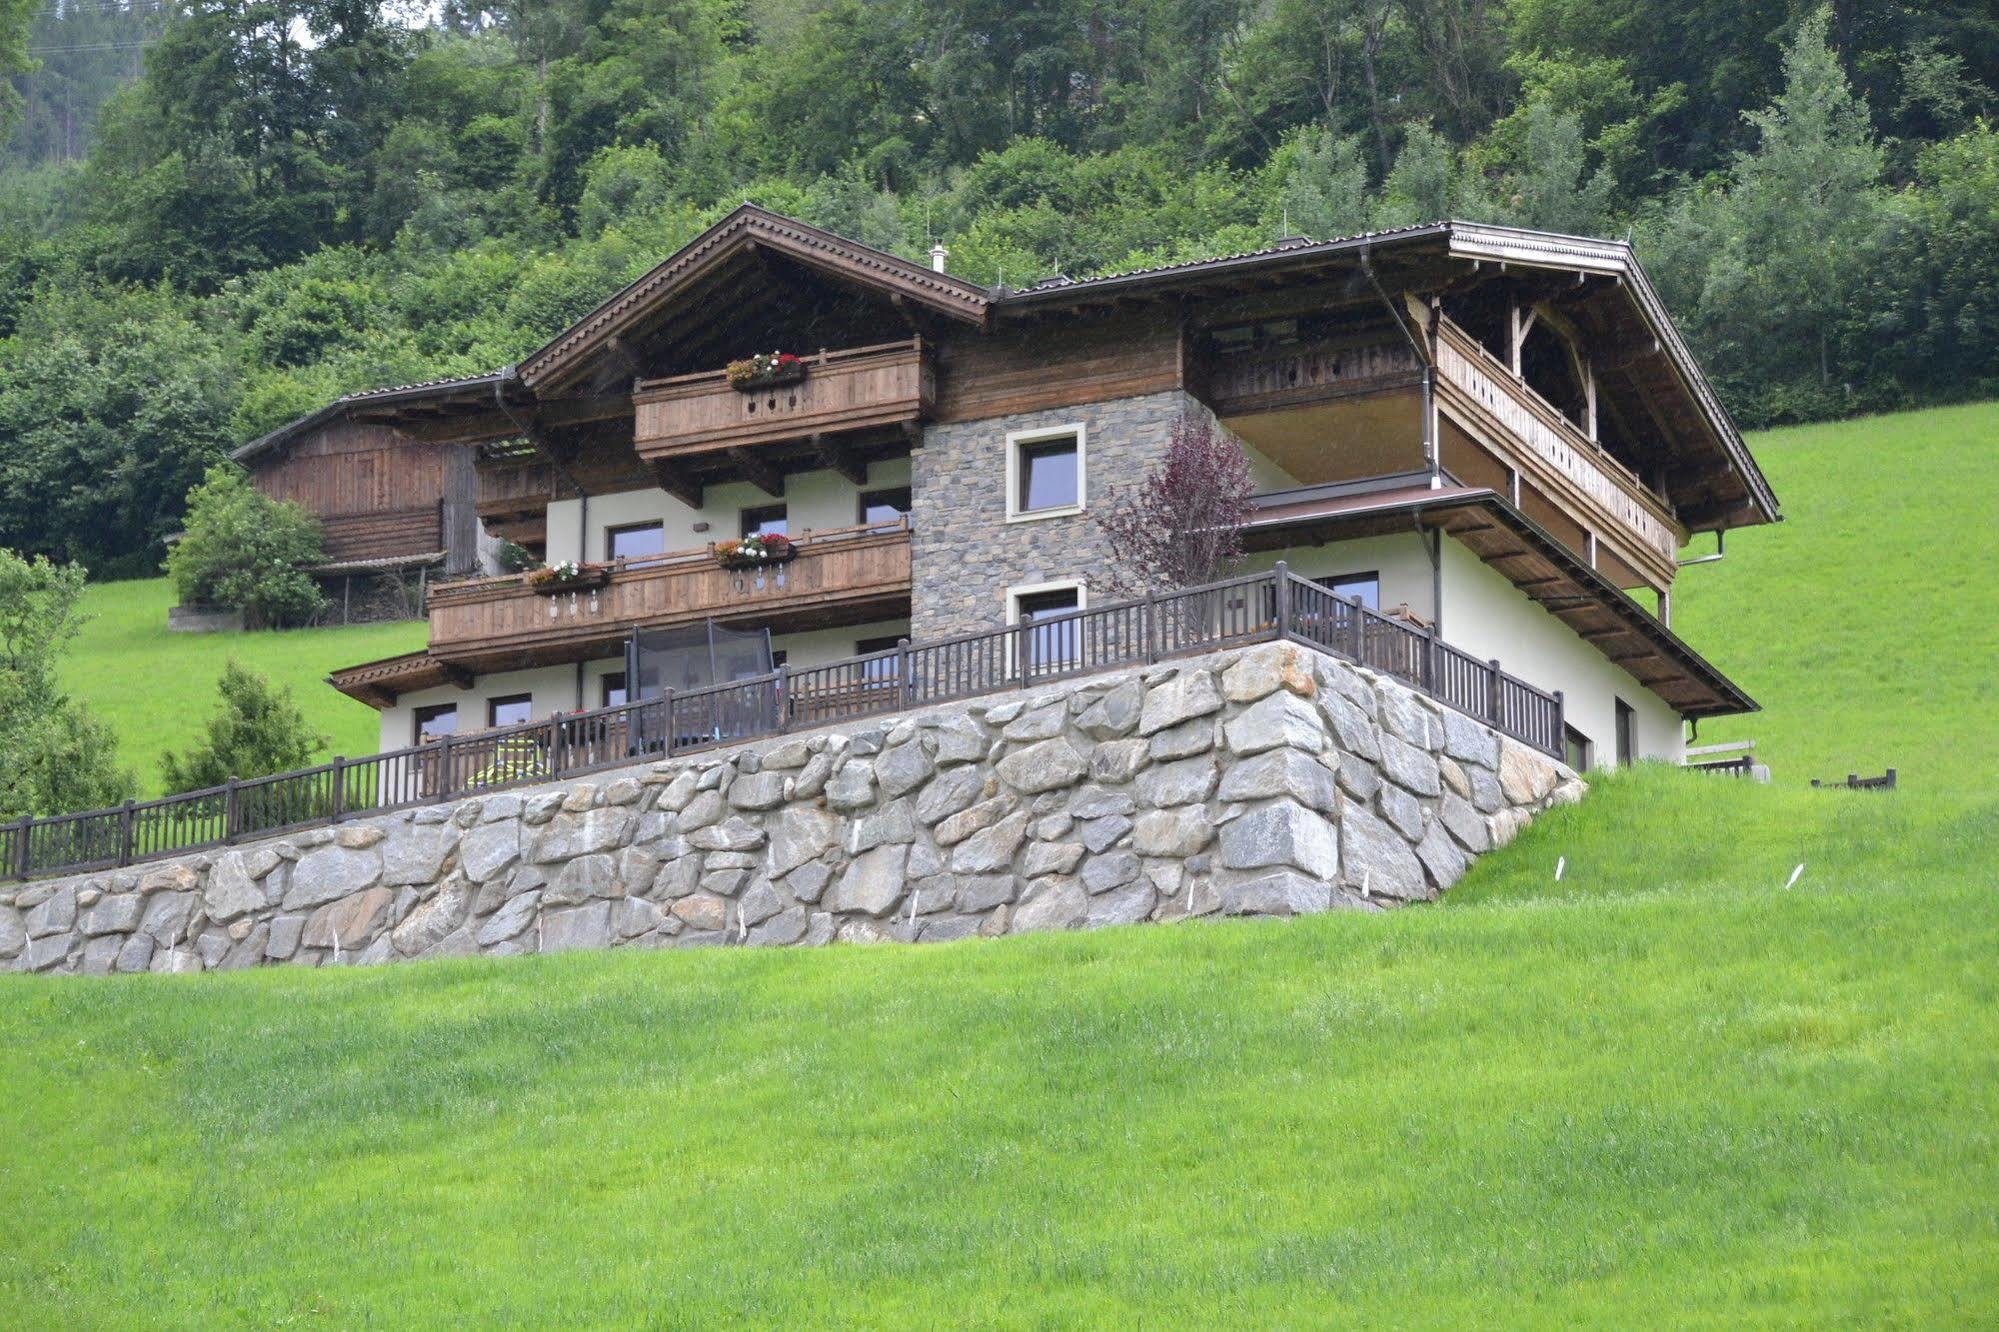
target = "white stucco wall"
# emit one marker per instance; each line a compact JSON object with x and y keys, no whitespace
{"x":814,"y":501}
{"x":554,"y":687}
{"x":1487,"y":616}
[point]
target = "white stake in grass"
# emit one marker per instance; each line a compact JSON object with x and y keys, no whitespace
{"x":1792,"y":882}
{"x":1561,"y":863}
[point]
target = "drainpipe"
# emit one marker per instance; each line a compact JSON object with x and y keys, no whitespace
{"x":1423,"y":356}
{"x":507,"y":376}
{"x":1433,"y":546}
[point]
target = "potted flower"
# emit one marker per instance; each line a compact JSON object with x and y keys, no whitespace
{"x":754,"y":552}
{"x":568,"y":576}
{"x":763,"y":370}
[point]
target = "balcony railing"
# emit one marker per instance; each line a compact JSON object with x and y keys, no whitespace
{"x":1258,"y":608}
{"x":488,"y":615}
{"x":1279,"y":377}
{"x":1550,"y":440}
{"x":858,"y":388}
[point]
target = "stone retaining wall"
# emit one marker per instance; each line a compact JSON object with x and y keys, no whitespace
{"x":1267,"y":781}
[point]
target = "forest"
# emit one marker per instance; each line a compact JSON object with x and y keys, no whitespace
{"x":216,"y":215}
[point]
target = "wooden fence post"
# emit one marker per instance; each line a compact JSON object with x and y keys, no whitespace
{"x":1283,"y":573}
{"x":1492,"y":692}
{"x":22,"y":857}
{"x":666,"y":708}
{"x":1430,"y":659}
{"x":903,"y":684}
{"x":125,"y":833}
{"x":444,"y":782}
{"x":1556,"y":740}
{"x":1151,"y":613}
{"x":229,"y":810}
{"x":339,"y":810}
{"x":1359,"y":618}
{"x":1020,"y":653}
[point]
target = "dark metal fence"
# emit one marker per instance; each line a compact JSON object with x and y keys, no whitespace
{"x":1251,"y":609}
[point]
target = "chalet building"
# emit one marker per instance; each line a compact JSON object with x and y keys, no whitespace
{"x":1493,"y":433}
{"x":392,"y":509}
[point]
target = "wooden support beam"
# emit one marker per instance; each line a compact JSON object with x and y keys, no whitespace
{"x":457,"y":674}
{"x":767,"y":478}
{"x":678,"y":484}
{"x":840,"y":460}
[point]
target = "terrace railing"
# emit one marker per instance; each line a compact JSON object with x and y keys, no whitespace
{"x":1236,"y":612}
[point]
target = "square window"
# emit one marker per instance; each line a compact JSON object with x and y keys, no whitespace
{"x":634,"y":541}
{"x":1576,"y":749}
{"x":769,"y":520}
{"x":613,"y":687}
{"x":435,"y":721}
{"x":1366,"y":586}
{"x":1045,"y":476}
{"x":513,"y":710}
{"x":884,"y":507}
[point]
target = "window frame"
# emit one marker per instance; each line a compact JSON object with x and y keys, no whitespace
{"x":861,"y":499}
{"x":494,"y":704}
{"x":1576,"y":745}
{"x":612,"y":533}
{"x":604,"y":689}
{"x":426,"y":712}
{"x":1330,"y":583}
{"x":1017,"y":441}
{"x":1625,"y":727}
{"x":743,"y":516}
{"x":1014,"y":596}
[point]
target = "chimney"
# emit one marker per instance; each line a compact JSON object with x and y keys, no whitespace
{"x":938,"y":254}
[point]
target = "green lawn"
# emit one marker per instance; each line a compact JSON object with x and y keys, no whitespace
{"x":157,"y":689}
{"x":1867,"y":623}
{"x":1665,"y":1089}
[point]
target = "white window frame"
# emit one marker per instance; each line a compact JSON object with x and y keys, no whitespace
{"x":1016,"y":438}
{"x":1015,"y":593}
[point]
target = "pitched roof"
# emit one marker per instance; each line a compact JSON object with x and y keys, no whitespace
{"x":342,"y":406}
{"x":749,"y":226}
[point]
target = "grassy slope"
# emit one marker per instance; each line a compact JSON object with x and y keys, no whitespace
{"x":1665,"y":1089}
{"x":126,"y":667}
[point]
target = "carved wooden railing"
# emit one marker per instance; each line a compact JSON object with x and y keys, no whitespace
{"x":1266,"y":380}
{"x":490,"y":614}
{"x":1257,"y":608}
{"x":1555,"y":443}
{"x":853,"y":389}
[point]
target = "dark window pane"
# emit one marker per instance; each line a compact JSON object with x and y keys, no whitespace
{"x":766,"y":521}
{"x":636,"y":541}
{"x":884,"y":506}
{"x":882,"y":668}
{"x":436,"y":720}
{"x":1054,"y":646}
{"x":1047,"y":475}
{"x":510,"y":711}
{"x":1576,"y":748}
{"x":1627,"y":734}
{"x":614,"y":690}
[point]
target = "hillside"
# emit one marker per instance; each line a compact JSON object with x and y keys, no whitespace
{"x":1667,"y":1088}
{"x":157,"y":689}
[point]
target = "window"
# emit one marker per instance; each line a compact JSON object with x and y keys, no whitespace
{"x":512,"y":710}
{"x":769,"y":520}
{"x":1576,"y":748}
{"x":882,"y":668}
{"x":1050,"y":647}
{"x":1044,"y":472}
{"x":1366,"y":586}
{"x":613,"y":686}
{"x":634,"y":541}
{"x":778,"y":657}
{"x":1627,"y":734}
{"x":885,"y":507}
{"x":439,"y":719}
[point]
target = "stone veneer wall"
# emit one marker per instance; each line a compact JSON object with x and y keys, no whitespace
{"x":1265,"y":781}
{"x":964,"y":554}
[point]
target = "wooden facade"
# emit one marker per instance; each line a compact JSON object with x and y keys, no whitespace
{"x":381,"y":499}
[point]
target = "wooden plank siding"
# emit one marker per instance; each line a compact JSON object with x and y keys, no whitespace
{"x":1046,"y":366}
{"x":377,"y":494}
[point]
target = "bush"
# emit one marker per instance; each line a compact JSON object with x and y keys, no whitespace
{"x":245,"y":549}
{"x":257,"y":730}
{"x":54,"y":756}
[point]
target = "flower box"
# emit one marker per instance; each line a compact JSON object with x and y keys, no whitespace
{"x":764,"y":370}
{"x":755,"y":552}
{"x":568,"y":576}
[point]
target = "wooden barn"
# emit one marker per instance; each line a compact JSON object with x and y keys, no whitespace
{"x":395,"y":511}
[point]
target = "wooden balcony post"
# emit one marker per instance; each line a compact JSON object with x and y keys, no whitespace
{"x":1430,"y":658}
{"x":666,"y":696}
{"x":780,"y":680}
{"x":1020,"y":640}
{"x":444,"y":782}
{"x":1359,"y":618}
{"x":125,"y":833}
{"x":1283,"y":573}
{"x":229,"y":810}
{"x":1555,"y":740}
{"x":1492,"y":691}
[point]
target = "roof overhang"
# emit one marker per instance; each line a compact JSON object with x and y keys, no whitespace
{"x":749,"y":227}
{"x":385,"y":405}
{"x":1529,"y":557}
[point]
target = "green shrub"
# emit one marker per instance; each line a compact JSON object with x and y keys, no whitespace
{"x":243,"y":548}
{"x":257,"y":730}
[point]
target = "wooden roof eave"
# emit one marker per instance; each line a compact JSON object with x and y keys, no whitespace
{"x":749,"y":225}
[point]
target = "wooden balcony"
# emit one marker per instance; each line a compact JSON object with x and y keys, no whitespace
{"x":857,"y":389}
{"x":1600,"y":492}
{"x":846,"y":575}
{"x":1305,"y":374}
